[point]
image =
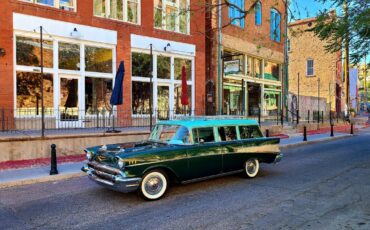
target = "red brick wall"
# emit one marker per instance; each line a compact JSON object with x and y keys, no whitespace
{"x":84,"y":16}
{"x":253,"y":33}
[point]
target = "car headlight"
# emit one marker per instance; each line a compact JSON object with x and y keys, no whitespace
{"x":89,"y":155}
{"x":121,"y":163}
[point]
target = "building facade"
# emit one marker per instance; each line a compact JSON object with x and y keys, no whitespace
{"x":84,"y":42}
{"x":245,"y":58}
{"x":314,"y":74}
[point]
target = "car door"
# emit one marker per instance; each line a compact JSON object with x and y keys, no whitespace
{"x":230,"y":147}
{"x":204,"y":157}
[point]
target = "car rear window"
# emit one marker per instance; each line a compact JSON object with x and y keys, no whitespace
{"x":227,"y":133}
{"x":247,"y":132}
{"x":203,"y":133}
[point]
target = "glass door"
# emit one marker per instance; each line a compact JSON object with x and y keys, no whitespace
{"x":69,"y":113}
{"x":163,"y":102}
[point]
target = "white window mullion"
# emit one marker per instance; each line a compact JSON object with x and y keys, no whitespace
{"x":56,"y":80}
{"x":124,"y":9}
{"x":177,"y":21}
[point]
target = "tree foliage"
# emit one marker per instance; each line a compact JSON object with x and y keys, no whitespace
{"x":355,"y":25}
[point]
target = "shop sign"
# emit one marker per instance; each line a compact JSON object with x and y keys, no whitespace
{"x":231,"y":67}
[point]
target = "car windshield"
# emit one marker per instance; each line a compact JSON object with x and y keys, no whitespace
{"x":170,"y":134}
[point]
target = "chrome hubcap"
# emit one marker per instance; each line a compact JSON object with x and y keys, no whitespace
{"x":154,"y":185}
{"x":251,"y":167}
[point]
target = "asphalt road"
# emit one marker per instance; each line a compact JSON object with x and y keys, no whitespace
{"x":320,"y":186}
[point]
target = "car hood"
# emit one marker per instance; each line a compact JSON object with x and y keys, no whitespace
{"x":111,"y":153}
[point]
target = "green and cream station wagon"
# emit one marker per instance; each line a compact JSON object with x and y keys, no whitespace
{"x":182,"y":151}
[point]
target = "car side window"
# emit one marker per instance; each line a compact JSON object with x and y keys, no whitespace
{"x":247,"y":132}
{"x":205,"y":134}
{"x":227,"y":133}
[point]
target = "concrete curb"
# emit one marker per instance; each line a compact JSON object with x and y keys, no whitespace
{"x":326,"y":139}
{"x":46,"y":178}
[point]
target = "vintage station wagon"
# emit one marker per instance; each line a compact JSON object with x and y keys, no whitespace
{"x":182,"y":151}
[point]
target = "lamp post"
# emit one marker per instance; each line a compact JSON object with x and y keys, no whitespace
{"x":42,"y":85}
{"x":151,"y":89}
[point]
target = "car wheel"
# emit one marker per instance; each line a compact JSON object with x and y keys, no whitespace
{"x":251,"y":168}
{"x":154,"y":185}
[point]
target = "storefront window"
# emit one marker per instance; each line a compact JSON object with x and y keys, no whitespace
{"x":141,"y":65}
{"x":258,"y":68}
{"x":29,"y":93}
{"x":140,"y":97}
{"x":28,"y":52}
{"x":249,"y":66}
{"x":98,"y":59}
{"x":180,"y":108}
{"x":271,"y":71}
{"x":68,"y":5}
{"x":233,"y":100}
{"x":271,"y":102}
{"x":179,"y":63}
{"x":69,"y":56}
{"x":163,"y":67}
{"x":97,"y":94}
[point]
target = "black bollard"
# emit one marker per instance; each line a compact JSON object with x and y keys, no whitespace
{"x":331,"y":130}
{"x":322,"y":117}
{"x":53,"y":160}
{"x":308,"y":113}
{"x":259,"y":115}
{"x":304,"y":133}
{"x":297,"y":116}
{"x":267,"y":133}
{"x":351,"y":128}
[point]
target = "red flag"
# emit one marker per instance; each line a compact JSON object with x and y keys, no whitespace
{"x":184,"y":88}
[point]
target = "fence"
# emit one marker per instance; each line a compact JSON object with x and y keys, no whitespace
{"x":66,"y":120}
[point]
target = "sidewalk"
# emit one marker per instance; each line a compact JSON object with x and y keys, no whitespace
{"x":22,"y":176}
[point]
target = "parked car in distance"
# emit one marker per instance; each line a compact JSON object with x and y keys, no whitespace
{"x":182,"y":151}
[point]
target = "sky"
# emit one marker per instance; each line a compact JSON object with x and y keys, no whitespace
{"x":306,"y":8}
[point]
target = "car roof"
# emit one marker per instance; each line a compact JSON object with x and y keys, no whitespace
{"x":205,"y":122}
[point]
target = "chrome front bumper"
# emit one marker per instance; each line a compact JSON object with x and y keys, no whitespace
{"x":278,"y":158}
{"x":117,"y":181}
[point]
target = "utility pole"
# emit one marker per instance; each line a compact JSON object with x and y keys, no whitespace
{"x":285,"y":80}
{"x":42,"y":85}
{"x":151,"y":89}
{"x":318,"y":103}
{"x":298,"y":102}
{"x":365,"y":76}
{"x":345,"y":6}
{"x":219,"y":77}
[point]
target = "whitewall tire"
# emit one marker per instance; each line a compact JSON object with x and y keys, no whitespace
{"x":251,"y":168}
{"x":154,"y":185}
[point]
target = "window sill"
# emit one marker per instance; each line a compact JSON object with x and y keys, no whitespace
{"x":311,"y":75}
{"x":116,"y":21}
{"x":170,"y":31}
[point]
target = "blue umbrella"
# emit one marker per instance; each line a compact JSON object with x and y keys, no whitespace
{"x":117,"y":94}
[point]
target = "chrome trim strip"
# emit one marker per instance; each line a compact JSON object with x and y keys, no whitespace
{"x":212,"y":176}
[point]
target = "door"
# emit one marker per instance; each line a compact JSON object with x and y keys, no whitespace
{"x":205,"y":157}
{"x":163,"y":102}
{"x":69,"y":111}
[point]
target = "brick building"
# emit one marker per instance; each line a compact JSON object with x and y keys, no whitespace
{"x":249,"y":74}
{"x":84,"y":42}
{"x":320,"y":72}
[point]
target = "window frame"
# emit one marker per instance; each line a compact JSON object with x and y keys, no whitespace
{"x":56,"y":72}
{"x":308,"y":68}
{"x":274,"y":15}
{"x":258,"y":13}
{"x":250,"y":138}
{"x":227,"y":126}
{"x":124,"y":13}
{"x":56,"y":4}
{"x":178,"y":9}
{"x":233,"y":13}
{"x":171,"y":83}
{"x":195,"y":134}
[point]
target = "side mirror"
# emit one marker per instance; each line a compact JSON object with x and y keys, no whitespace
{"x":201,"y":141}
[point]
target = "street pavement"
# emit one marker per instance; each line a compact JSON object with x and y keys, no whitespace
{"x":320,"y":186}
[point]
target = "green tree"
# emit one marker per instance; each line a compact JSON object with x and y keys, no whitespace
{"x":355,"y":25}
